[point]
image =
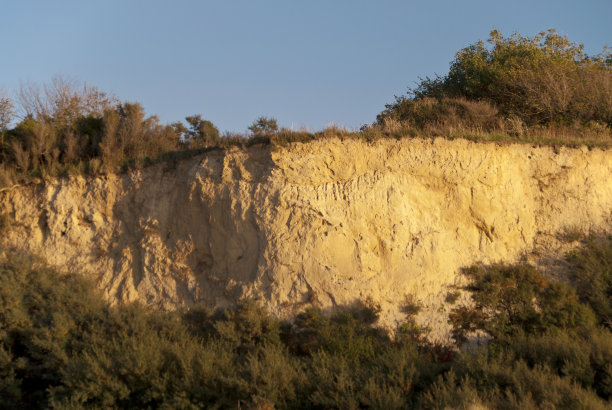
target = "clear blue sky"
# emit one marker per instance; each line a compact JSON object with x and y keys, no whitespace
{"x":306,"y":63}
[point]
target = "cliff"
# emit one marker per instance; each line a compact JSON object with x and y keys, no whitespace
{"x":324,"y":223}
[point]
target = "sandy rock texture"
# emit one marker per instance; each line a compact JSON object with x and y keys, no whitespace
{"x":325,"y":223}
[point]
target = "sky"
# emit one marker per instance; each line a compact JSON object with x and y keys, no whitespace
{"x":306,"y":63}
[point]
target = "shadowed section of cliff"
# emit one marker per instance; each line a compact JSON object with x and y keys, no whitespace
{"x":321,"y":224}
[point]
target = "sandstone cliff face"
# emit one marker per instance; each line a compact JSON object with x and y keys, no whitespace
{"x":325,"y":223}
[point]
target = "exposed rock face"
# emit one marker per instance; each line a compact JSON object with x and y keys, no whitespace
{"x":322,"y":223}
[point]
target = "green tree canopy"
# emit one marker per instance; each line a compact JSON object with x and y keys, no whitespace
{"x":201,"y":133}
{"x":263,"y":126}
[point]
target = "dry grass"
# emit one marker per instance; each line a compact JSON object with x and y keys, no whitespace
{"x":480,"y":121}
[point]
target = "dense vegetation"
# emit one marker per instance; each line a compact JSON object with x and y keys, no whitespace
{"x":550,"y":345}
{"x":542,"y":90}
{"x":67,"y":128}
{"x":513,"y":83}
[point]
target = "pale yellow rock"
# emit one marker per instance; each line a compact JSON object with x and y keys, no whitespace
{"x":326,"y":223}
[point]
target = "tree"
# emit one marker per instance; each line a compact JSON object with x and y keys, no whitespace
{"x":263,"y":126}
{"x":201,"y":133}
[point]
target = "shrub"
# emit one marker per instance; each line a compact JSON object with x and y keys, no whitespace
{"x":480,"y":380}
{"x":63,"y":346}
{"x":447,"y":113}
{"x":545,"y":349}
{"x":592,"y":272}
{"x":128,"y":135}
{"x":263,"y":126}
{"x":201,"y":133}
{"x":246,"y":326}
{"x":539,"y":79}
{"x":66,"y":126}
{"x":40,"y":316}
{"x":511,"y":300}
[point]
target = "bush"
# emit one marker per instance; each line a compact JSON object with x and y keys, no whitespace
{"x":592,"y":272}
{"x":539,"y":80}
{"x":546,"y":348}
{"x":63,"y":102}
{"x":40,"y":318}
{"x":128,"y":134}
{"x":63,"y":346}
{"x":447,"y":113}
{"x":66,"y":126}
{"x":201,"y":133}
{"x":512,"y":300}
{"x":263,"y":127}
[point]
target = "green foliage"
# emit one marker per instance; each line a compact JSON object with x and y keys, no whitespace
{"x":546,"y":348}
{"x":512,"y":300}
{"x":128,"y":134}
{"x":496,"y":382}
{"x":201,"y":133}
{"x":62,"y":346}
{"x":350,"y":363}
{"x":68,"y":128}
{"x":534,"y":80}
{"x":38,"y":146}
{"x":263,"y":127}
{"x":444,"y":113}
{"x":246,"y":326}
{"x":40,"y":317}
{"x":592,"y":272}
{"x":348,"y":333}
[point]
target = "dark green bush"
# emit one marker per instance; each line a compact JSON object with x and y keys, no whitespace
{"x":538,"y":79}
{"x":496,"y":382}
{"x":200,"y":134}
{"x":40,"y":319}
{"x":63,"y":346}
{"x":546,"y":348}
{"x":592,"y":272}
{"x":534,"y":80}
{"x":263,"y":126}
{"x":513,"y":300}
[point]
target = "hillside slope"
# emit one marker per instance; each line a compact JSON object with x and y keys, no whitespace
{"x":324,"y":223}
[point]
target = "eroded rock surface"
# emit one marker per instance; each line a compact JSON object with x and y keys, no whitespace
{"x":323,"y":223}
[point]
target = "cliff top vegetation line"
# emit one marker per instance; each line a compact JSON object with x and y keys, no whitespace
{"x":542,"y":89}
